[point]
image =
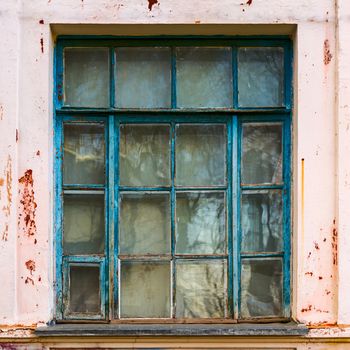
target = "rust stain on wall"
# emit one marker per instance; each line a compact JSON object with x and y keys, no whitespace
{"x":151,"y":3}
{"x":30,"y":265}
{"x":334,"y":243}
{"x":42,"y":45}
{"x":327,"y":56}
{"x":1,"y":112}
{"x":7,"y":208}
{"x":1,"y":184}
{"x":28,"y":204}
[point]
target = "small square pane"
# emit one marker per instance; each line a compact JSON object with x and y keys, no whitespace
{"x":200,"y":223}
{"x":143,"y":77}
{"x":204,"y":77}
{"x":262,"y":221}
{"x":200,"y":153}
{"x":144,"y":155}
{"x":84,"y":290}
{"x":83,"y":224}
{"x":84,"y":154}
{"x":261,"y":76}
{"x":86,"y":77}
{"x":145,"y":289}
{"x":262,"y":160}
{"x":261,"y":288}
{"x":144,"y":226}
{"x":201,"y":289}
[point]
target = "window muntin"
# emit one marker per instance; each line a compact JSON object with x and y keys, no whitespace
{"x":158,"y":165}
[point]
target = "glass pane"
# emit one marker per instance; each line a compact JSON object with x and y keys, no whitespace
{"x":260,"y":76}
{"x":200,"y":155}
{"x":83,"y":224}
{"x":262,"y":221}
{"x":201,"y":289}
{"x":261,"y":288}
{"x":84,"y":154}
{"x":144,"y":155}
{"x":84,"y":289}
{"x":145,"y":289}
{"x":143,"y":77}
{"x":262,"y":153}
{"x":86,"y":77}
{"x":203,"y":77}
{"x":144,"y":224}
{"x":200,"y":223}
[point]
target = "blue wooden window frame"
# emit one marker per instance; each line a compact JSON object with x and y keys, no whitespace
{"x":234,"y":118}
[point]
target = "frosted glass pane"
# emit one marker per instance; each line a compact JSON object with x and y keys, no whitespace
{"x":261,"y":288}
{"x":201,"y":289}
{"x":261,"y":220}
{"x":200,"y":223}
{"x":84,"y":154}
{"x":86,"y":77}
{"x":84,"y":292}
{"x":144,"y":224}
{"x":261,"y":77}
{"x":144,"y":155}
{"x":262,"y":153}
{"x":200,"y":155}
{"x":203,"y":77}
{"x":143,"y":77}
{"x":83,"y":224}
{"x":145,"y":289}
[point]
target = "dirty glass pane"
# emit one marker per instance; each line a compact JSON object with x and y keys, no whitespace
{"x":261,"y":288}
{"x":83,"y":224}
{"x":262,"y":153}
{"x":261,"y":76}
{"x":200,"y":223}
{"x":201,"y":289}
{"x":144,"y":226}
{"x":200,"y":155}
{"x":143,"y":77}
{"x":84,"y":154}
{"x":203,"y":77}
{"x":84,"y":291}
{"x":262,"y":220}
{"x":145,"y":289}
{"x":86,"y":77}
{"x":144,"y":155}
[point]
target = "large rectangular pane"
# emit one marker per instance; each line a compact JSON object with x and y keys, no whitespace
{"x":261,"y":76}
{"x":84,"y":289}
{"x":84,"y":154}
{"x":143,"y":77}
{"x":201,"y":289}
{"x":144,"y":155}
{"x":83,"y":224}
{"x":262,"y":221}
{"x":144,"y":226}
{"x":261,"y":288}
{"x":86,"y":77}
{"x":262,"y":159}
{"x":200,"y":153}
{"x":145,"y":289}
{"x":204,"y":77}
{"x":200,"y":223}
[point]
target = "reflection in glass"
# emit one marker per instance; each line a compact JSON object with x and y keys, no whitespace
{"x":86,"y":77}
{"x":144,"y":155}
{"x":200,"y":155}
{"x":143,"y":77}
{"x":144,"y":226}
{"x":262,"y":153}
{"x":260,"y":76}
{"x":203,"y":77}
{"x":83,"y":224}
{"x":261,"y":220}
{"x":84,"y":289}
{"x":261,"y":288}
{"x":145,"y":289}
{"x":201,"y":289}
{"x":84,"y":154}
{"x":200,"y":223}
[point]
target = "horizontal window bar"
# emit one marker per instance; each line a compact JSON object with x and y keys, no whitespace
{"x":177,"y":188}
{"x":262,"y":187}
{"x":249,"y":255}
{"x":83,"y":186}
{"x":167,"y":257}
{"x":84,"y":259}
{"x":83,"y":191}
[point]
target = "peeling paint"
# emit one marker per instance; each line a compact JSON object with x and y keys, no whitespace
{"x":7,"y":208}
{"x":327,"y":56}
{"x":334,"y":243}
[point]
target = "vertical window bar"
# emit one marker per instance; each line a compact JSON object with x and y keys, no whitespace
{"x":173,"y":78}
{"x":235,"y":77}
{"x":288,"y":72}
{"x":112,"y":74}
{"x":173,"y":195}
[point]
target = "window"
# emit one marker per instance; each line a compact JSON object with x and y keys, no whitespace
{"x":172,"y":179}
